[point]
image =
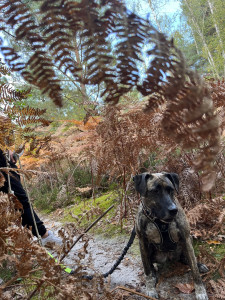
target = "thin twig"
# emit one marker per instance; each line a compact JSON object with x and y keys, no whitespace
{"x":133,"y":292}
{"x":9,"y":282}
{"x":86,"y":230}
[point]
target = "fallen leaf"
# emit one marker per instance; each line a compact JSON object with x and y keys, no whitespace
{"x":213,"y":242}
{"x":186,"y":288}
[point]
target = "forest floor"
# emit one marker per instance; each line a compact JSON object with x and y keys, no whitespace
{"x":103,"y":252}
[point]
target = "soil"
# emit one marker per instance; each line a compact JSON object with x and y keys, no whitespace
{"x":102,"y":254}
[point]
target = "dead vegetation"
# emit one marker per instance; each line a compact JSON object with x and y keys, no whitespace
{"x":35,"y":271}
{"x":182,"y":113}
{"x":189,"y":118}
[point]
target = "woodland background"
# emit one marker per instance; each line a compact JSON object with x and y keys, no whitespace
{"x":92,"y":109}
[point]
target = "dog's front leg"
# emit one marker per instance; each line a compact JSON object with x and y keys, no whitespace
{"x":182,"y":223}
{"x":150,"y":273}
{"x":200,"y":291}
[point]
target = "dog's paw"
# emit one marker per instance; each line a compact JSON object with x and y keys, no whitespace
{"x":202,"y":268}
{"x":200,"y":292}
{"x":201,"y":296}
{"x":150,"y":287}
{"x":152,"y":293}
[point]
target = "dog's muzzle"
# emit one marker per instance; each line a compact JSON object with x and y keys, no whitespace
{"x":172,"y":212}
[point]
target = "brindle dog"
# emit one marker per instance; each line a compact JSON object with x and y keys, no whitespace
{"x":163,"y":229}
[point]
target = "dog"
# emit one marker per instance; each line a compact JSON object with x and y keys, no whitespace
{"x":163,"y":229}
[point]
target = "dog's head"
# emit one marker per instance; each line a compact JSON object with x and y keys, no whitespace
{"x":157,"y":191}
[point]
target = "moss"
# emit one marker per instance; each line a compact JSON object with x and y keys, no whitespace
{"x":67,"y":126}
{"x":82,"y":206}
{"x":217,"y":250}
{"x":45,"y":292}
{"x":134,"y":249}
{"x":46,"y":211}
{"x":6,"y":273}
{"x":110,"y":230}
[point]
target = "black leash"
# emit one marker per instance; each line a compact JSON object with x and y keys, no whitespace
{"x":130,"y":242}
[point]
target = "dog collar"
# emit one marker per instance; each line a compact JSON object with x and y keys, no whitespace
{"x":147,"y":212}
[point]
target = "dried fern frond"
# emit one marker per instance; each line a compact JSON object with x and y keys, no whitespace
{"x":189,"y":119}
{"x":124,"y":139}
{"x":27,"y":258}
{"x":2,"y":180}
{"x":3,"y":69}
{"x":207,"y":219}
{"x":31,"y":120}
{"x":6,"y":129}
{"x":8,"y":93}
{"x":218,"y":288}
{"x":217,"y":88}
{"x":16,"y":121}
{"x":57,"y":35}
{"x":22,"y":111}
{"x":40,"y":71}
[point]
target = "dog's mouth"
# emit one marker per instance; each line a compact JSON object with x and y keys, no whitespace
{"x":163,"y":217}
{"x":168,"y":220}
{"x":151,"y":213}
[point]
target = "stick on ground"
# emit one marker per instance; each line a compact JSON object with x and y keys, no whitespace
{"x":86,"y":230}
{"x":133,"y":292}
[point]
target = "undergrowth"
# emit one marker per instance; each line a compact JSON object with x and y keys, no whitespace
{"x":38,"y":274}
{"x":85,"y":211}
{"x":64,"y":186}
{"x":215,"y":248}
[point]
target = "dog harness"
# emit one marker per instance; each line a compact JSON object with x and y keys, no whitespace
{"x":167,"y":244}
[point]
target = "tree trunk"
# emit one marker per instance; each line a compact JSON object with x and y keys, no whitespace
{"x":217,"y":31}
{"x":200,"y":33}
{"x":155,"y":15}
{"x":196,"y":44}
{"x":82,"y":86}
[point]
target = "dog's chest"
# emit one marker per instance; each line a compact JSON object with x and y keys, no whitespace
{"x":161,"y":234}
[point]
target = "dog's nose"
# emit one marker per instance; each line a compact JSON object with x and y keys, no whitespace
{"x":173,"y":211}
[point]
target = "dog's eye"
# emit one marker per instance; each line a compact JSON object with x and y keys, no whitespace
{"x":170,"y":190}
{"x":153,"y":192}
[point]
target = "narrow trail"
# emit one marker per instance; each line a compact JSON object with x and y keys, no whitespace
{"x":102,"y":253}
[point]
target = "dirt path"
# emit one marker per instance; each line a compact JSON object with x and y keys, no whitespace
{"x":103,"y":253}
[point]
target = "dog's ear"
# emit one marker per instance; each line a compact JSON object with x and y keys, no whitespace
{"x":174,"y":178}
{"x":140,"y":183}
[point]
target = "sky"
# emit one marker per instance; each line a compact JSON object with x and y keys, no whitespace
{"x":171,"y":8}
